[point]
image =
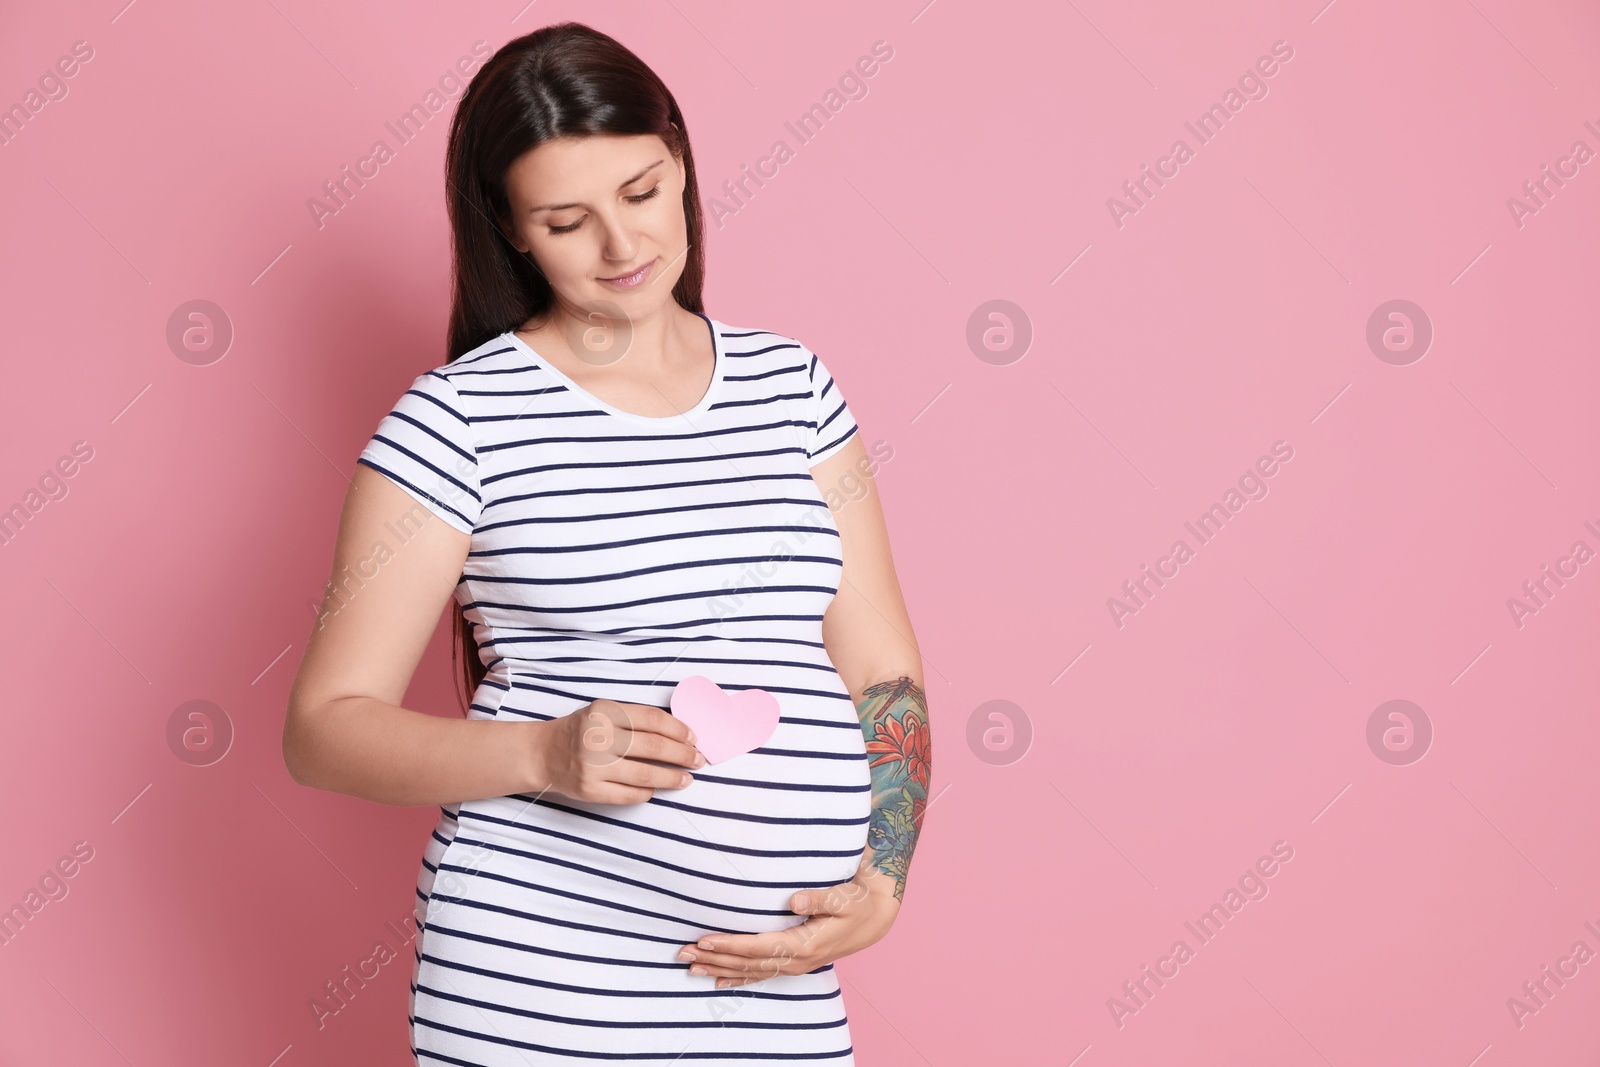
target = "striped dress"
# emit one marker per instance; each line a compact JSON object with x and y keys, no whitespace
{"x":612,"y":555}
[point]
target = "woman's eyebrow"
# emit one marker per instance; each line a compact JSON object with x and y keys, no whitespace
{"x":624,"y":185}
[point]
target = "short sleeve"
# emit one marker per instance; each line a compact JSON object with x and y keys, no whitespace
{"x":834,"y":425}
{"x":425,"y":445}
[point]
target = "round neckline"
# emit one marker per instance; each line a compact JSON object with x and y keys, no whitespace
{"x":717,"y":364}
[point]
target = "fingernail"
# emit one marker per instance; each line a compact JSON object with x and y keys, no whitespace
{"x":699,"y":760}
{"x":691,"y":737}
{"x":688,"y":955}
{"x":697,"y":970}
{"x":687,"y":778}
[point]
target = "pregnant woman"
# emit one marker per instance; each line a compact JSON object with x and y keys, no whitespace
{"x":620,"y":493}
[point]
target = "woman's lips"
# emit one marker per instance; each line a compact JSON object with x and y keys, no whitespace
{"x":629,"y":281}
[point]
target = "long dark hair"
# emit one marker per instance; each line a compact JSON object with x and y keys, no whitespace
{"x":565,"y":80}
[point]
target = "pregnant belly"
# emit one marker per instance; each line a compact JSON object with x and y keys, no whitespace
{"x":727,"y":853}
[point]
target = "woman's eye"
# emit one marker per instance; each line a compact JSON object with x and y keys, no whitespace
{"x":641,"y":198}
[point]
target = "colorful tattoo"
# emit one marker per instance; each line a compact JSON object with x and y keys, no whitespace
{"x":894,"y":718}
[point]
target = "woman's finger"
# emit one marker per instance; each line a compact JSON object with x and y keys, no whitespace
{"x":632,"y":772}
{"x":720,"y":965}
{"x":739,"y":963}
{"x":748,"y":946}
{"x":756,"y":974}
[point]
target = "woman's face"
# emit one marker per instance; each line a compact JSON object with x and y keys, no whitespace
{"x":597,"y":210}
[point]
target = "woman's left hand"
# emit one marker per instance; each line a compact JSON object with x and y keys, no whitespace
{"x":841,"y":919}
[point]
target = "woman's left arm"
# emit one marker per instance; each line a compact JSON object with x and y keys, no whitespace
{"x":867,"y":634}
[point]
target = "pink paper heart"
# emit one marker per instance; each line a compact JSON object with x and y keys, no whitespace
{"x":725,"y":724}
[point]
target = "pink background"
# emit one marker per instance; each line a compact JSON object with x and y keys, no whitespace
{"x":1166,"y":755}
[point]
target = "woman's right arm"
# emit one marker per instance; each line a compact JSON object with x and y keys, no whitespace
{"x":345,"y":730}
{"x":347,"y":733}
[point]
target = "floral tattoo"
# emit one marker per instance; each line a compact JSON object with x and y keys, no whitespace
{"x":894,"y":718}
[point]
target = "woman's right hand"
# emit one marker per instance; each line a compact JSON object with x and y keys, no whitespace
{"x":608,"y":752}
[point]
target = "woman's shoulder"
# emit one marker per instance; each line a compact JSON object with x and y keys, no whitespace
{"x":783,"y":350}
{"x":450,"y":390}
{"x":768,"y":360}
{"x":757,"y":334}
{"x":495,"y":354}
{"x":774,"y":347}
{"x":497,"y":361}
